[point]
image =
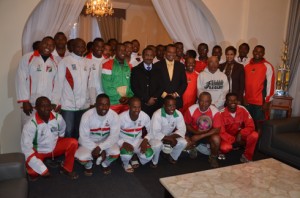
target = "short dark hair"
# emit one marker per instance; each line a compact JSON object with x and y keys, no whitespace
{"x":132,"y":99}
{"x":230,"y":48}
{"x":245,"y":44}
{"x":146,"y":49}
{"x":169,"y":97}
{"x":217,"y":47}
{"x":231,"y":94}
{"x":135,"y":40}
{"x":59,"y":33}
{"x":260,"y":46}
{"x":203,"y":44}
{"x":103,"y":95}
{"x":35,"y":45}
{"x":191,"y":53}
{"x":170,"y":45}
{"x":112,"y":39}
{"x":98,"y":40}
{"x":160,"y":45}
{"x":48,"y":37}
{"x":39,"y":100}
{"x":178,"y":43}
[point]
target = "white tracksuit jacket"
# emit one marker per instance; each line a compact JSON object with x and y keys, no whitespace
{"x":41,"y":137}
{"x":35,"y":77}
{"x":95,"y":64}
{"x":131,"y":131}
{"x":71,"y":83}
{"x":214,"y":83}
{"x":102,"y":131}
{"x":163,"y":124}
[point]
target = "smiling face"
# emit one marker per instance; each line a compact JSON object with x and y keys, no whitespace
{"x":135,"y":46}
{"x":230,"y":56}
{"x":170,"y":53}
{"x":46,"y":47}
{"x":120,"y":52}
{"x":190,"y":64}
{"x":98,"y":48}
{"x":232,"y":103}
{"x":170,"y":106}
{"x":258,"y":54}
{"x":107,"y":51}
{"x":102,"y":106}
{"x":128,"y":49}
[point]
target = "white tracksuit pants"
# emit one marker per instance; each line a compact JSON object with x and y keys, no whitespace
{"x":143,"y":157}
{"x":84,"y":155}
{"x":157,"y":147}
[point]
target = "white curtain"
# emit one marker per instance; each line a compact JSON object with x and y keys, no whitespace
{"x":185,"y":22}
{"x":88,"y":28}
{"x":50,"y":17}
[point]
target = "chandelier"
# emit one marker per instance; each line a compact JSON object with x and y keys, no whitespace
{"x":99,"y":8}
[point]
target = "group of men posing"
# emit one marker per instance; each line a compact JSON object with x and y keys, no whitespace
{"x":118,"y":103}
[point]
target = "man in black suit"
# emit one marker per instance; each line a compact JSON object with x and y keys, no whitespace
{"x":146,"y":82}
{"x":173,"y":79}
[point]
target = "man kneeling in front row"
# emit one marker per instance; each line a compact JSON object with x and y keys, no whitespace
{"x":131,"y":142}
{"x":203,"y":123}
{"x":98,"y":136}
{"x":238,"y":128}
{"x":168,"y":131}
{"x":43,"y":137}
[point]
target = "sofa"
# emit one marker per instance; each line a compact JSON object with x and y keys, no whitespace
{"x":13,"y":180}
{"x":280,"y":139}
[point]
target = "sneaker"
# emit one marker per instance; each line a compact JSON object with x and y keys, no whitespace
{"x":222,"y":156}
{"x":193,"y":153}
{"x":213,"y":160}
{"x":243,"y":159}
{"x":204,"y":149}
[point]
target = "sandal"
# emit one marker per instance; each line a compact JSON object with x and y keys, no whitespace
{"x":88,"y":172}
{"x":128,"y":169}
{"x":71,"y":175}
{"x":106,"y":170}
{"x":135,"y":163}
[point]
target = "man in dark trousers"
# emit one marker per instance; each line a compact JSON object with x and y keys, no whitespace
{"x":146,"y":82}
{"x":173,"y":79}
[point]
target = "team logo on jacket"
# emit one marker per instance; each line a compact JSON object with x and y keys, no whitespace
{"x":54,"y":129}
{"x":74,"y":66}
{"x":48,"y":68}
{"x":214,"y":84}
{"x":38,"y":68}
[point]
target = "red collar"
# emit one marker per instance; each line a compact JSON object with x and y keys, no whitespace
{"x":39,"y":119}
{"x":252,"y":62}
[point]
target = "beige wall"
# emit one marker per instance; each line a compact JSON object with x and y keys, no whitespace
{"x":253,"y":21}
{"x":12,"y":24}
{"x":142,"y":23}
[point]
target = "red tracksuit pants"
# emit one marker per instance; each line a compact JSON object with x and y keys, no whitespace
{"x":64,"y":146}
{"x":227,"y":140}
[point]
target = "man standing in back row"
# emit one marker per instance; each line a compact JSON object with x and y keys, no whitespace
{"x":173,"y":79}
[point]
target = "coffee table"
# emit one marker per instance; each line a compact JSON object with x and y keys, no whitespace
{"x":264,"y":178}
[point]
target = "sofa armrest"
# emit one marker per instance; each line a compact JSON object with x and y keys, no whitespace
{"x":12,"y":166}
{"x":284,"y":125}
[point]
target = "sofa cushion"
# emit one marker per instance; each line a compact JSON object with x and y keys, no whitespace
{"x":288,"y":142}
{"x":14,"y":188}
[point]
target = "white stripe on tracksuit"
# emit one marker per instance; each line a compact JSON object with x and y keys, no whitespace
{"x":131,"y":132}
{"x":163,"y":126}
{"x":102,"y":131}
